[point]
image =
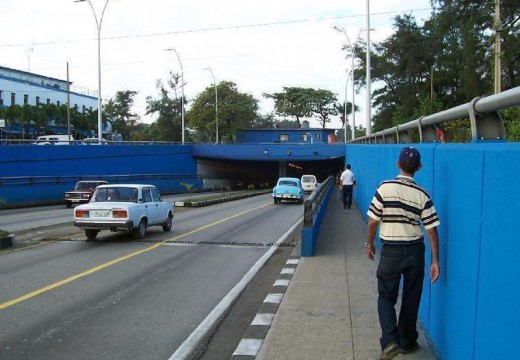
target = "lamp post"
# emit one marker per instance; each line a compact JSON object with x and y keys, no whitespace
{"x":369,"y":95}
{"x":182,"y":91}
{"x":216,"y":104}
{"x":353,"y":49}
{"x":98,"y":27}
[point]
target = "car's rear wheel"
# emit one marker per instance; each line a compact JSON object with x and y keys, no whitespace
{"x":91,"y":234}
{"x":276,"y":201}
{"x":140,"y":232}
{"x":68,"y":204}
{"x":167,"y":226}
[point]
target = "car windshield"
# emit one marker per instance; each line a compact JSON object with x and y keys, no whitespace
{"x":309,"y":179}
{"x":116,"y":193}
{"x":287,"y":183}
{"x":87,"y":185}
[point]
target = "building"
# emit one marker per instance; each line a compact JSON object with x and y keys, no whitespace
{"x":25,"y":88}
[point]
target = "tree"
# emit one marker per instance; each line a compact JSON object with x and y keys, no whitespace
{"x":236,"y":111}
{"x":324,"y":105}
{"x":118,"y":109}
{"x":293,"y":101}
{"x":168,"y":109}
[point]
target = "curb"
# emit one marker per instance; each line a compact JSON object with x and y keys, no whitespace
{"x":7,"y":241}
{"x":218,"y":200}
{"x":254,"y":337}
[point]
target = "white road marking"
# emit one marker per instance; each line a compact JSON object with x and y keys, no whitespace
{"x":187,"y":347}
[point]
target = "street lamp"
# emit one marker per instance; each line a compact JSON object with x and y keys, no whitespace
{"x":182,"y":91}
{"x":216,"y":103}
{"x":353,"y":49}
{"x":369,"y":95}
{"x":98,"y":26}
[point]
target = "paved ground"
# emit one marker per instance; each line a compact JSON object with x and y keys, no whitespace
{"x":328,"y":308}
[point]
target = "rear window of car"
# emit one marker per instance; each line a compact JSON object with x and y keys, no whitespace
{"x":112,"y":194}
{"x":288,"y":183}
{"x":309,"y":179}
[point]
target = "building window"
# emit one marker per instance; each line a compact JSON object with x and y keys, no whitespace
{"x":83,"y":111}
{"x":317,"y":136}
{"x":13,"y":99}
{"x":37,"y":100}
{"x":1,"y":98}
{"x":284,"y":137}
{"x":26,"y":99}
{"x":48,"y":101}
{"x":57,"y":103}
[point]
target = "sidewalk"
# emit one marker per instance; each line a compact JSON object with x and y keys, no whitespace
{"x":329,"y":310}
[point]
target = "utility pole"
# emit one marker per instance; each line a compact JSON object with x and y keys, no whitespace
{"x":68,"y":104}
{"x":498,"y":30}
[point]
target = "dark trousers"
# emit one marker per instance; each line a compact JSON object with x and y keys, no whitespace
{"x":406,"y":261}
{"x":347,"y":195}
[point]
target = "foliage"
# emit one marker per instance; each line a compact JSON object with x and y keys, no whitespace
{"x":293,"y":101}
{"x":324,"y":105}
{"x":189,"y":188}
{"x":511,"y":118}
{"x":450,"y":57}
{"x":168,"y":109}
{"x":119,"y":110}
{"x":236,"y":111}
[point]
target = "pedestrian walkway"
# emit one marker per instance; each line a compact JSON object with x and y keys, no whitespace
{"x":329,"y":310}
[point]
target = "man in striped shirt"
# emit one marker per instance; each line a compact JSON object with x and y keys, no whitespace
{"x":400,"y":206}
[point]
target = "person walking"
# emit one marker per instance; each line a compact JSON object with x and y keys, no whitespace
{"x":399,"y":206}
{"x":348,"y":182}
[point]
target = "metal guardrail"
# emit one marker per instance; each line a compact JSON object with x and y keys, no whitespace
{"x":312,"y":203}
{"x":314,"y":212}
{"x":36,"y":180}
{"x":486,"y":122}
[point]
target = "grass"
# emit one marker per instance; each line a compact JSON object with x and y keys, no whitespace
{"x":226,"y":194}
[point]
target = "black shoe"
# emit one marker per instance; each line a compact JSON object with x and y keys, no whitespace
{"x":389,"y":352}
{"x":409,"y":349}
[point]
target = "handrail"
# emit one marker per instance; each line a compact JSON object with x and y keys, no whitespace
{"x":312,"y":203}
{"x":486,"y":122}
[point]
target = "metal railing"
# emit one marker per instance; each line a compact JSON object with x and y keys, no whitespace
{"x":313,"y":214}
{"x":486,"y":122}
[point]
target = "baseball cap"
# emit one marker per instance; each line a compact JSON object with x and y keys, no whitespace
{"x":410,"y":156}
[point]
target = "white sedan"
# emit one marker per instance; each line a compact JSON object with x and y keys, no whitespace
{"x":124,"y":207}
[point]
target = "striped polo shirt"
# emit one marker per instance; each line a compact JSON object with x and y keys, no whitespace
{"x":401,"y":205}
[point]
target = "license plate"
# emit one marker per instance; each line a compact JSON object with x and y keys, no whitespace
{"x":101,"y":213}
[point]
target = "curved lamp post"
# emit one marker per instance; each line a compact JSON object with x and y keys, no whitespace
{"x":182,"y":91}
{"x":98,"y":27}
{"x":216,"y":104}
{"x":353,"y":49}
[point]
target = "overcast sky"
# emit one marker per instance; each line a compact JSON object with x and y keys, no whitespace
{"x":262,"y":46}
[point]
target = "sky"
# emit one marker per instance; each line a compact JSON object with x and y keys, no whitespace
{"x":262,"y":46}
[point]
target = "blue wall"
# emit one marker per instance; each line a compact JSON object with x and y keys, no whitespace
{"x":473,"y":310}
{"x":55,"y":169}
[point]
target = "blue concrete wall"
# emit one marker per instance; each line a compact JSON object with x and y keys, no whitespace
{"x":55,"y":169}
{"x":473,"y":310}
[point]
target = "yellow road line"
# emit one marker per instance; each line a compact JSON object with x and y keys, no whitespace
{"x":118,"y":260}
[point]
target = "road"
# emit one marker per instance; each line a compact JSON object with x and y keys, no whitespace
{"x":118,"y":298}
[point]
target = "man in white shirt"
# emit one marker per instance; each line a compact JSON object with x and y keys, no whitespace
{"x":348,"y":182}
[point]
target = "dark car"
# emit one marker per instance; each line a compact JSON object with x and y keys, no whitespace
{"x":82,"y":192}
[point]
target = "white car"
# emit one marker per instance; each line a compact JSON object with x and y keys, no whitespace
{"x":124,"y":207}
{"x":309,"y":183}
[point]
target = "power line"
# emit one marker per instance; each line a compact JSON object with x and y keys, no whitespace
{"x":232,"y":27}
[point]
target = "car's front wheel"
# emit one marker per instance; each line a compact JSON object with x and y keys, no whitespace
{"x":140,"y":232}
{"x":91,"y":234}
{"x":167,"y":226}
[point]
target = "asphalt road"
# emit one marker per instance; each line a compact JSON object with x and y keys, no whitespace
{"x":117,"y":298}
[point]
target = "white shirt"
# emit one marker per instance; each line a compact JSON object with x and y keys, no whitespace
{"x":347,"y":177}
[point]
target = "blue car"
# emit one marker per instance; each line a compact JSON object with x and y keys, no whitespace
{"x":289,"y":189}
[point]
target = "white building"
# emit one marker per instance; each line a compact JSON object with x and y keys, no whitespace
{"x":25,"y":88}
